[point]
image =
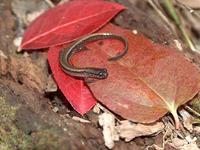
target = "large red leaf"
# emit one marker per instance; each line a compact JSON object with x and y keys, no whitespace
{"x":146,"y":83}
{"x":67,"y":22}
{"x":74,"y":90}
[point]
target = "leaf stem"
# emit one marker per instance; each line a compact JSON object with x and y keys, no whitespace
{"x":173,"y":109}
{"x":176,"y":119}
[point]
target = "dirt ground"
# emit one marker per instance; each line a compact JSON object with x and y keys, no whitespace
{"x":35,"y":114}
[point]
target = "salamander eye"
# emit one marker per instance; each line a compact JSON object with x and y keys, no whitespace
{"x":103,"y":74}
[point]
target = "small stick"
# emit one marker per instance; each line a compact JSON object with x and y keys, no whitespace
{"x":188,"y":108}
{"x":171,"y":11}
{"x":192,"y":11}
{"x":162,"y":16}
{"x":49,"y":2}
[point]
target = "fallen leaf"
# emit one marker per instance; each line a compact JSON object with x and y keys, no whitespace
{"x":76,"y":92}
{"x":183,"y":144}
{"x":126,"y":129}
{"x":23,"y":70}
{"x":187,"y":120}
{"x":67,"y":22}
{"x":197,"y":129}
{"x":146,"y":83}
{"x":129,"y":131}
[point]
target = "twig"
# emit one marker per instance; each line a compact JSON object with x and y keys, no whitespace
{"x":162,"y":16}
{"x":171,"y":10}
{"x":49,"y":2}
{"x":192,"y":11}
{"x":188,"y":108}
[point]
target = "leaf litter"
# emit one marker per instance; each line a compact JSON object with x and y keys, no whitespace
{"x":113,"y":131}
{"x":190,"y":147}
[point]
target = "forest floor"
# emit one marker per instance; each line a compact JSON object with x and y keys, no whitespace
{"x":35,"y":114}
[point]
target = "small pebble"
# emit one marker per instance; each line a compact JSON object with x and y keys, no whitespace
{"x":55,"y":109}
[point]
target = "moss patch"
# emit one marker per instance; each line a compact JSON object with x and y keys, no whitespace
{"x":11,"y":137}
{"x":17,"y":132}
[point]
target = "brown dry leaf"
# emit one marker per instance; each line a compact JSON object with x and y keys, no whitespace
{"x":183,"y":144}
{"x":129,"y":131}
{"x":197,"y":129}
{"x":26,"y":72}
{"x":126,"y":130}
{"x":187,"y":120}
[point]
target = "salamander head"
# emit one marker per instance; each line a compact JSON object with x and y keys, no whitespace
{"x":98,"y":73}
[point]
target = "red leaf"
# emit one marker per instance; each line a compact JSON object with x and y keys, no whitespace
{"x":74,"y":90}
{"x":67,"y":22}
{"x":146,"y":83}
